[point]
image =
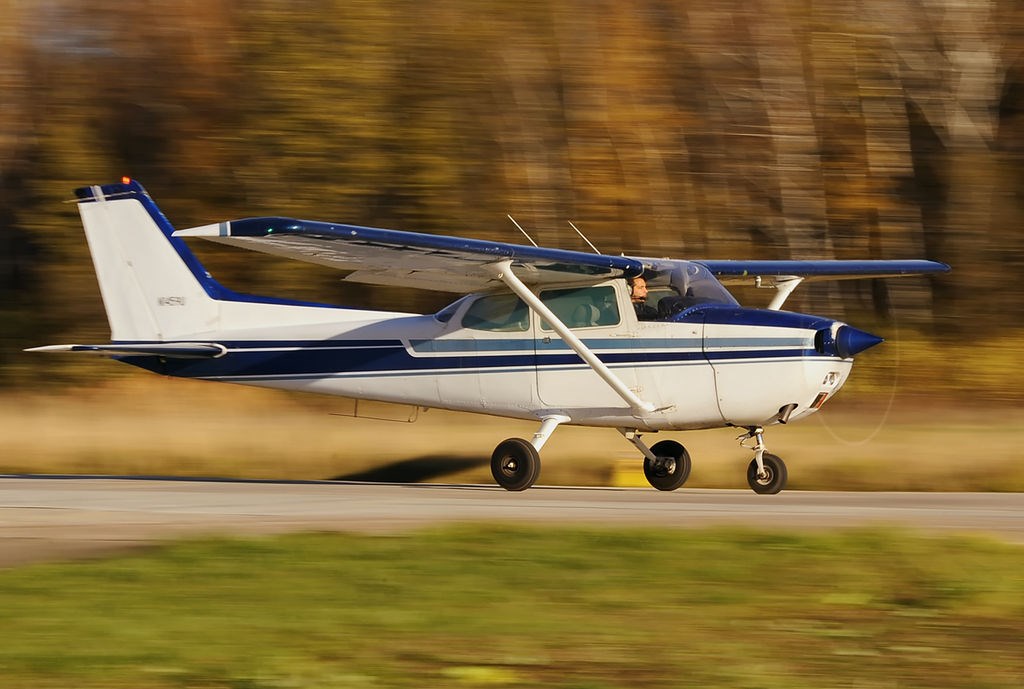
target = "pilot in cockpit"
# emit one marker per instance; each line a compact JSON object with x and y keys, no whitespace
{"x":638,"y":295}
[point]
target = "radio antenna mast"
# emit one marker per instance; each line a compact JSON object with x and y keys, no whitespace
{"x":521,"y":229}
{"x":584,"y":237}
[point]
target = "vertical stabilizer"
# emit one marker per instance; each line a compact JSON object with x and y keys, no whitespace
{"x":153,"y":287}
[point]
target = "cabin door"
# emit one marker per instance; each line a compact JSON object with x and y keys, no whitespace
{"x":594,"y":314}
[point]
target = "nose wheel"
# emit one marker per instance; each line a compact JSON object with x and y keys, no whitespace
{"x":766,"y":473}
{"x":771,"y":479}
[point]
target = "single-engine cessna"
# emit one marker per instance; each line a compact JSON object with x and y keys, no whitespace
{"x":543,"y":334}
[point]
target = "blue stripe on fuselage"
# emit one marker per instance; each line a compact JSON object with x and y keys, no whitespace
{"x":378,"y":357}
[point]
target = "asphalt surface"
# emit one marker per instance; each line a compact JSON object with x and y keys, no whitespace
{"x":58,"y":518}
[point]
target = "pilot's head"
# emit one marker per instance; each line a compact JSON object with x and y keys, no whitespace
{"x":638,"y":290}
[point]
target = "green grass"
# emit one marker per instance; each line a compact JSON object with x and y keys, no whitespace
{"x":476,"y":606}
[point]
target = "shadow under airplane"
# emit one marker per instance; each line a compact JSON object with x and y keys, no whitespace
{"x":415,"y":470}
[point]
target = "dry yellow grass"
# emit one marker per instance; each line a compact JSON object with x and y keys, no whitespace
{"x":157,"y":426}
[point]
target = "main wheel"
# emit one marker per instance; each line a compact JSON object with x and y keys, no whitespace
{"x":515,"y":464}
{"x":775,"y":476}
{"x":672,"y":467}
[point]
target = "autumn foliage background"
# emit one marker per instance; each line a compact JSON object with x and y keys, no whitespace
{"x":756,"y":129}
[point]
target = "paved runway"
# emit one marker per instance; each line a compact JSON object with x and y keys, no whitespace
{"x":46,"y":518}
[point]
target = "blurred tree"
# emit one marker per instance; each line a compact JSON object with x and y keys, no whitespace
{"x":792,"y":129}
{"x":21,"y":254}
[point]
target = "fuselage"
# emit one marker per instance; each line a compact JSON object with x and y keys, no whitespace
{"x":708,"y":365}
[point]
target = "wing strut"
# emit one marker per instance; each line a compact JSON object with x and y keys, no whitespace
{"x":503,"y":271}
{"x":784,"y":286}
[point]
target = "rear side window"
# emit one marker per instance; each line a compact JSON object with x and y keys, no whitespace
{"x":500,"y":312}
{"x":582,"y":307}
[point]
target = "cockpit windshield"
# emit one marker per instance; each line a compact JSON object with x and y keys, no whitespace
{"x":674,"y":286}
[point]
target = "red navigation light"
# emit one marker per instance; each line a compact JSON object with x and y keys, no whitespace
{"x":126,"y":180}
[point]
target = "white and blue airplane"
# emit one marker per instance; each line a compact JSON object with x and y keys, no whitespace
{"x":542,"y":334}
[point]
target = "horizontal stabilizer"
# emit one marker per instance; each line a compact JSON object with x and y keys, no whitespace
{"x":170,"y":350}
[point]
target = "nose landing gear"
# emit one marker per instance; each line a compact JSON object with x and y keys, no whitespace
{"x":766,"y":473}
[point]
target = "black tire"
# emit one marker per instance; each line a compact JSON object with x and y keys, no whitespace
{"x":672,"y":468}
{"x":515,"y":464}
{"x":776,"y":479}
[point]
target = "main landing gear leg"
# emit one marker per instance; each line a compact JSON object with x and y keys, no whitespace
{"x":766,"y":473}
{"x":666,"y":465}
{"x":515,"y":463}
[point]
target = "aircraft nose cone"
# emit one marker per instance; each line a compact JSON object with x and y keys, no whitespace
{"x":850,"y":341}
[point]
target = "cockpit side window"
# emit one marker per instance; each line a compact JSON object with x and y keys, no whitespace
{"x":497,"y":312}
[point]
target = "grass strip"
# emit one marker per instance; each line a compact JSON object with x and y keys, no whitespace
{"x":477,"y":606}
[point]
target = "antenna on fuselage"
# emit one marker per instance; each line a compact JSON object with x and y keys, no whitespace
{"x":520,"y":227}
{"x":584,"y":237}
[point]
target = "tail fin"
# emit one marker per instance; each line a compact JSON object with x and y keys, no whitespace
{"x":153,"y":286}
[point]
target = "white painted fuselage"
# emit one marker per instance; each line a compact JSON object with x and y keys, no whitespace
{"x":696,"y":373}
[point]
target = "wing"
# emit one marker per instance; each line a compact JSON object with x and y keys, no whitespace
{"x":750,"y":272}
{"x":411,"y":259}
{"x":785,"y":276}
